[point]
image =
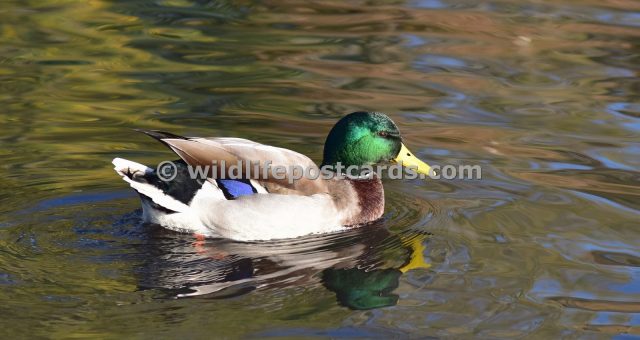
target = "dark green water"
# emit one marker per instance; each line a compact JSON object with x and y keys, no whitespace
{"x":544,"y":95}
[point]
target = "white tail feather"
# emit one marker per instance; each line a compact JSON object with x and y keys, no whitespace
{"x":130,"y":170}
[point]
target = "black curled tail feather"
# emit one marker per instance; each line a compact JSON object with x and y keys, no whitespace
{"x":183,"y":187}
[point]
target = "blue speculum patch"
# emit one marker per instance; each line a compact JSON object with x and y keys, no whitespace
{"x":234,"y":188}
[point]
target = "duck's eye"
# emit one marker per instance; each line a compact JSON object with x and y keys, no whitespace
{"x":383,"y":134}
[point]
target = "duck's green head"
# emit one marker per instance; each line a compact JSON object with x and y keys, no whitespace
{"x":368,"y":138}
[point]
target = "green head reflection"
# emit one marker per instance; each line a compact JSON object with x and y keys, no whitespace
{"x":361,"y":289}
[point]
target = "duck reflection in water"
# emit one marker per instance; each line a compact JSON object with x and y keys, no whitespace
{"x":362,"y":267}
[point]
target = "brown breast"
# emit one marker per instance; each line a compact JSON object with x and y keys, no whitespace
{"x":370,"y":195}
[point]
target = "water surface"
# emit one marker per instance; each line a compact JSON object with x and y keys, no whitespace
{"x":543,"y":95}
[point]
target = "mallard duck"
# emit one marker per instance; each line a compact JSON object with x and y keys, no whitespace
{"x":262,"y":206}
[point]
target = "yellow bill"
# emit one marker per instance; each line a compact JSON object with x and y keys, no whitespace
{"x":406,"y":158}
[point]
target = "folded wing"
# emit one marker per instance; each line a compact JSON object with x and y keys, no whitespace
{"x":228,"y":152}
